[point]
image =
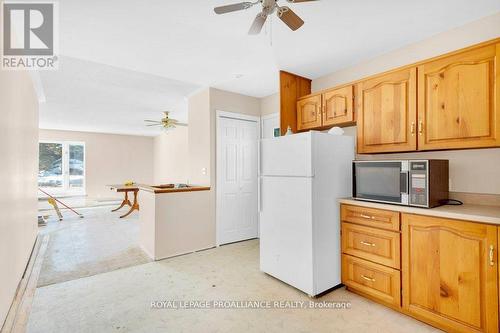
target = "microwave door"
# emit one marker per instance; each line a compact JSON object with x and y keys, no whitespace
{"x":381,"y":181}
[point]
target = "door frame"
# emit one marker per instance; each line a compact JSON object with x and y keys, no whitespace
{"x":219,"y":115}
{"x":267,"y":117}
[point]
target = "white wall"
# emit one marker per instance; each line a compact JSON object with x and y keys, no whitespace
{"x":202,"y":128}
{"x":110,"y":159}
{"x":199,"y":138}
{"x":270,"y":104}
{"x":171,"y":156}
{"x":473,"y":33}
{"x":18,"y":172}
{"x":475,"y":171}
{"x":202,"y":135}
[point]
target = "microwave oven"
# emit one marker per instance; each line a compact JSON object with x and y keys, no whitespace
{"x":420,"y":183}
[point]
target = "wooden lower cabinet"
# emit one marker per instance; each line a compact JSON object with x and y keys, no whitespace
{"x":380,"y":246}
{"x":450,"y":273}
{"x":373,"y":280}
{"x":375,"y":218}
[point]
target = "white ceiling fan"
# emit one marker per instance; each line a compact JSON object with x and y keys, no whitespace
{"x":166,"y":122}
{"x":288,"y":16}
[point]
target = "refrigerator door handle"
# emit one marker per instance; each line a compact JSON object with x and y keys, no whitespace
{"x":260,"y":194}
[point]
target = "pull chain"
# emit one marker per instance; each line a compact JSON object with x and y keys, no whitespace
{"x":271,"y":31}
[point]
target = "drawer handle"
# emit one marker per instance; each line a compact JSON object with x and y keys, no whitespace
{"x":368,"y":278}
{"x":366,"y":216}
{"x":492,"y":255}
{"x":367,"y":244}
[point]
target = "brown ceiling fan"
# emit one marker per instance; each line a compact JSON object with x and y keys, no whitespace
{"x":166,"y":122}
{"x":288,"y":16}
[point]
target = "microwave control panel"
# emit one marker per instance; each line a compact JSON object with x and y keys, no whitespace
{"x":418,"y":183}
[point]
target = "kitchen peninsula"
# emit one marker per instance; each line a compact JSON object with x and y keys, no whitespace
{"x":173,"y":220}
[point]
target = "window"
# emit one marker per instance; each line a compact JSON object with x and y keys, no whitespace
{"x":62,"y":167}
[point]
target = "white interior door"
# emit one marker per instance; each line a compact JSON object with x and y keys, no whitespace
{"x":237,"y":182}
{"x":270,"y":126}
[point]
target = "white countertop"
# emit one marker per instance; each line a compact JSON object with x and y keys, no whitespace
{"x":474,"y":213}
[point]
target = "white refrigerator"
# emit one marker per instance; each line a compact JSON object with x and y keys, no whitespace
{"x":301,"y":178}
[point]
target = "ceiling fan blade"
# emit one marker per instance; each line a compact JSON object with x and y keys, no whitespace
{"x":288,"y":16}
{"x":153,"y":125}
{"x":152,"y":121}
{"x":298,"y":1}
{"x":232,"y":8}
{"x":257,"y":24}
{"x":181,"y":124}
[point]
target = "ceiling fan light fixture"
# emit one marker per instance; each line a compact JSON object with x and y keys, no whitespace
{"x":288,"y":16}
{"x":166,"y":122}
{"x":234,"y":7}
{"x":258,"y":24}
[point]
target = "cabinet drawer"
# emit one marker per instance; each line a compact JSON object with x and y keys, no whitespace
{"x":379,"y":282}
{"x":378,"y":218}
{"x":379,"y":246}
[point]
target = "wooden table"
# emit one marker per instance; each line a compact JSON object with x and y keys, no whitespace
{"x":126,"y":202}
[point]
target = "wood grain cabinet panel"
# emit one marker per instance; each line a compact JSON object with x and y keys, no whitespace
{"x":292,"y":87}
{"x":458,"y":100}
{"x":372,"y":217}
{"x":376,"y":281}
{"x":338,"y":106}
{"x":387,"y":111}
{"x":449,"y":271}
{"x":309,"y":113}
{"x":379,"y":246}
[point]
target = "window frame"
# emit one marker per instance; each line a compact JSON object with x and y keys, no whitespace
{"x":65,"y":190}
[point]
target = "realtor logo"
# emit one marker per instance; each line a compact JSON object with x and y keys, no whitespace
{"x":29,"y":36}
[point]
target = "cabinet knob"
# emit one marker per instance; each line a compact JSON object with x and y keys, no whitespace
{"x":412,"y":128}
{"x":420,"y":127}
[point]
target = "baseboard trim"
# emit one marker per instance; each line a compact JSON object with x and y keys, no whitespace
{"x":17,"y":318}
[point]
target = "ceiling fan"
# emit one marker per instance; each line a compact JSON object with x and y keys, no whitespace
{"x":166,"y":122}
{"x":288,"y":16}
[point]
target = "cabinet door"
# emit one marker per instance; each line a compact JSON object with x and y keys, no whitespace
{"x":338,"y":106}
{"x":387,"y":112}
{"x":309,"y":113}
{"x":449,"y":273}
{"x":458,"y":100}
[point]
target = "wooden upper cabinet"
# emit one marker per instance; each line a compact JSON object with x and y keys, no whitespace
{"x":338,"y":106}
{"x":458,"y":100}
{"x":449,"y":271}
{"x":387,"y":111}
{"x":309,"y":112}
